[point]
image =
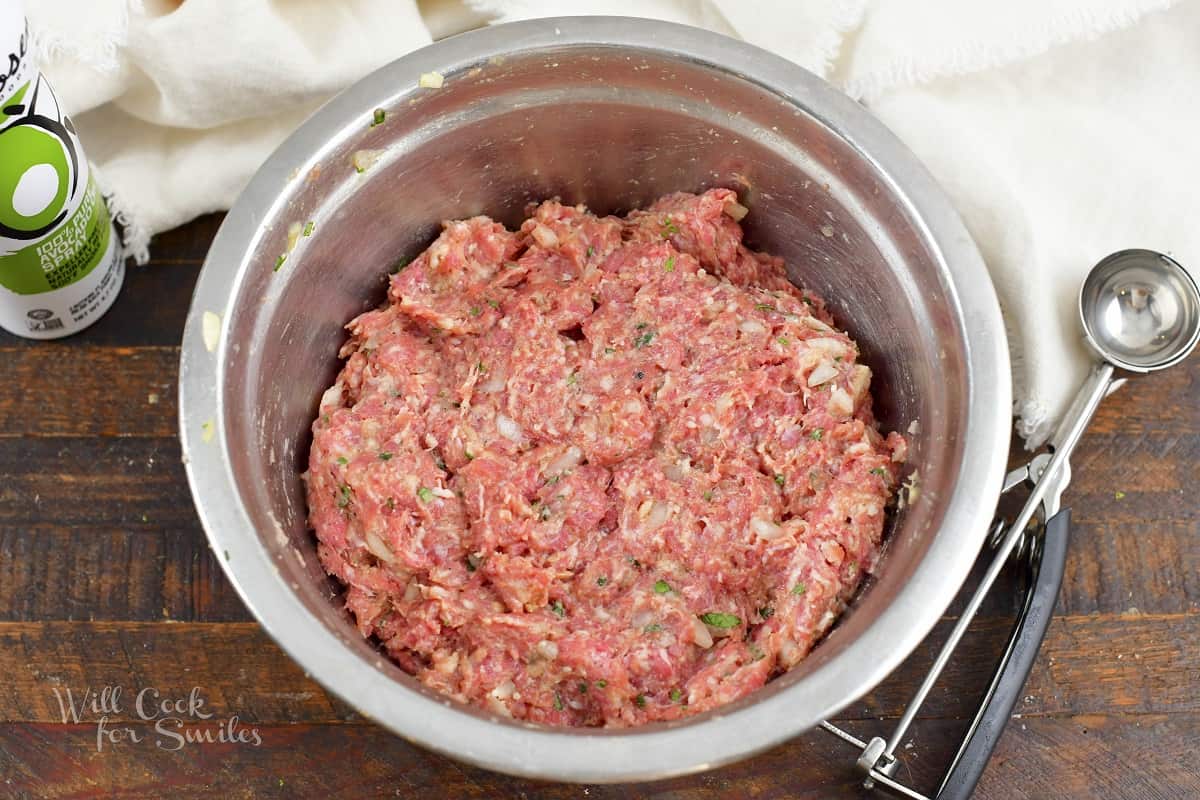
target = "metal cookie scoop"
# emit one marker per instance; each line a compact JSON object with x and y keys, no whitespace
{"x":1140,"y":312}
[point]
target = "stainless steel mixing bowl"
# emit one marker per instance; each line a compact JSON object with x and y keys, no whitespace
{"x":610,"y":112}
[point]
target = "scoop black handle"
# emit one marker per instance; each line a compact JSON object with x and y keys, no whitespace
{"x":1047,"y":564}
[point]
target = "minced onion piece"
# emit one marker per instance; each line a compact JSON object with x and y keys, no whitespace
{"x":824,"y":373}
{"x":412,"y":592}
{"x":293,"y":236}
{"x":210,"y":328}
{"x":765,"y":528}
{"x":827,"y":344}
{"x":570,"y":459}
{"x":701,"y":635}
{"x":751,"y":326}
{"x":860,"y":379}
{"x":840,"y":402}
{"x":735,"y":211}
{"x":658,"y":514}
{"x":365,"y":159}
{"x":494,"y":383}
{"x":377,"y":547}
{"x":544,"y":236}
{"x":431,"y":80}
{"x":508,"y":428}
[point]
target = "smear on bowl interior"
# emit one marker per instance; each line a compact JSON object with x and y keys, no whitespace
{"x":600,"y":470}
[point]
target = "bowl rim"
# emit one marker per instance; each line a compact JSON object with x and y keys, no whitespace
{"x":639,"y":753}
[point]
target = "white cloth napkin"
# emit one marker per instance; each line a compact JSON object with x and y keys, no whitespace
{"x":1062,"y":129}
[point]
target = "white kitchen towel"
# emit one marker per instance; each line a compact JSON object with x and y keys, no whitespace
{"x":1062,"y":129}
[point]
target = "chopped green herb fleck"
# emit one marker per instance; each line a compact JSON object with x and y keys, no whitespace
{"x":557,"y":608}
{"x":470,"y":456}
{"x":308,"y":228}
{"x":676,"y":695}
{"x":661,"y":587}
{"x":720,"y":620}
{"x":602,"y":580}
{"x":653,"y":627}
{"x":475,"y":311}
{"x":554,"y":480}
{"x":279,"y":261}
{"x":544,"y":514}
{"x":481,"y":368}
{"x":573,"y":378}
{"x":492,"y":303}
{"x":642,"y":326}
{"x":757,"y":652}
{"x":583,"y":687}
{"x":558,"y":703}
{"x":880,"y":471}
{"x":344,"y":495}
{"x":808,"y":301}
{"x":441,"y":462}
{"x":380,"y":116}
{"x":783,"y":340}
{"x":766,"y":612}
{"x":780,"y":480}
{"x":472,"y":562}
{"x":764,"y":307}
{"x":669,"y":265}
{"x":799,"y":589}
{"x":1119,"y":495}
{"x":640,"y":701}
{"x":600,"y":684}
{"x":609,"y":351}
{"x":669,"y":227}
{"x":817,"y":434}
{"x":425,"y":493}
{"x":401,"y":264}
{"x":360,"y":170}
{"x":391,"y":504}
{"x":708,"y":495}
{"x":591,"y":251}
{"x":342,"y":460}
{"x":385,"y":456}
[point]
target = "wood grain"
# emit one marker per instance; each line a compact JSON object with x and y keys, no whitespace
{"x":51,"y":573}
{"x":74,"y":482}
{"x":1134,"y":664}
{"x":135,"y":387}
{"x":1076,"y":756}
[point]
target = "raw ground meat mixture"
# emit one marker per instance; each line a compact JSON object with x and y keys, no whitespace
{"x":599,"y":471}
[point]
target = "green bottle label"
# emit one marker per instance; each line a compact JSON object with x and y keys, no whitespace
{"x":54,"y":226}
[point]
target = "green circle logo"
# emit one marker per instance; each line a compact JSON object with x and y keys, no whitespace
{"x":35,"y":181}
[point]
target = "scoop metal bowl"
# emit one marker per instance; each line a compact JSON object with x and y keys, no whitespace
{"x":612,"y":113}
{"x":1140,"y":310}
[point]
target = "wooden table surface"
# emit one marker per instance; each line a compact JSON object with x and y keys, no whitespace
{"x":106,"y":580}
